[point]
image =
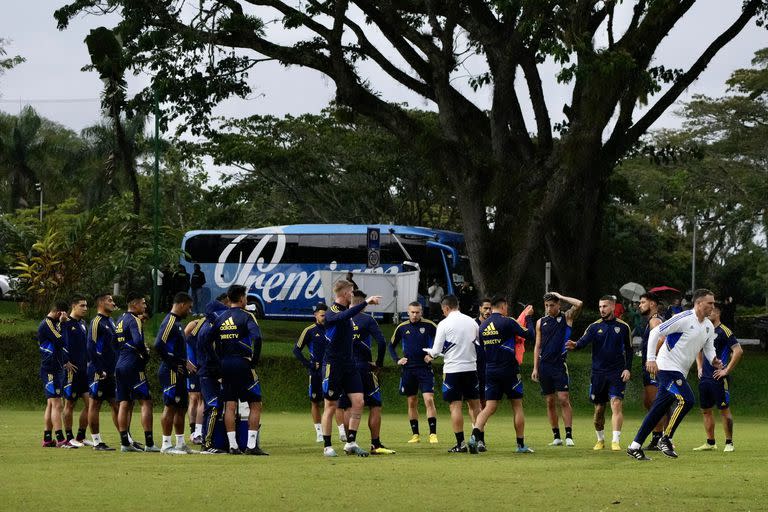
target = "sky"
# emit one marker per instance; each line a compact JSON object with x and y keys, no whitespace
{"x":52,"y":82}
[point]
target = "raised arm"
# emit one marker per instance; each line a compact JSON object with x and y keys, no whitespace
{"x":536,"y":352}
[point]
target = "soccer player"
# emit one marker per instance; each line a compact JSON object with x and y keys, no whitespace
{"x":455,"y":339}
{"x":238,"y":341}
{"x":50,"y":345}
{"x":75,"y":352}
{"x":339,"y":371}
{"x":130,"y":379}
{"x":484,"y":311}
{"x":195,"y":410}
{"x":172,"y":348}
{"x":686,"y":334}
{"x":497,"y":337}
{"x":714,"y":385}
{"x":649,"y":307}
{"x":101,"y":367}
{"x":415,"y":335}
{"x":549,"y":368}
{"x":611,"y":364}
{"x":364,"y":328}
{"x":209,"y":372}
{"x":313,"y":338}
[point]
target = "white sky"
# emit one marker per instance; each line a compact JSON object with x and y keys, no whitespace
{"x":54,"y":58}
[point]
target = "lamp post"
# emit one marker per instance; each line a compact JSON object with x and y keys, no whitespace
{"x":693,"y":258}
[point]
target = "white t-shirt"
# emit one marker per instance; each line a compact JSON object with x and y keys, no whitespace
{"x":436,"y":293}
{"x":685,"y":338}
{"x":455,"y":338}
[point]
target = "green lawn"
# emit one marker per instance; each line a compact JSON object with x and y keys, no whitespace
{"x":422,"y":476}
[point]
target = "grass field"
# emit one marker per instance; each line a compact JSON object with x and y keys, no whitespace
{"x":422,"y":477}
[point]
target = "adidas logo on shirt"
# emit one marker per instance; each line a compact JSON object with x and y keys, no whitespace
{"x":228,"y":325}
{"x":490,"y":330}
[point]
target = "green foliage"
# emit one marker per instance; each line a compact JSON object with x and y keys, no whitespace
{"x":9,"y":62}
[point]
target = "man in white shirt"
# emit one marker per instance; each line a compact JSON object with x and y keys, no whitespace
{"x":455,"y":339}
{"x":436,"y":295}
{"x":686,"y":334}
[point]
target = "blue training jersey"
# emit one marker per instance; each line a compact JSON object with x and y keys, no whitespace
{"x":497,"y":338}
{"x":365,"y":329}
{"x":74,"y":334}
{"x":338,"y":332}
{"x":611,"y":345}
{"x":555,"y":331}
{"x":50,"y":344}
{"x":313,"y":338}
{"x":646,"y":334}
{"x":170,"y":343}
{"x":724,"y":342}
{"x":207,"y":356}
{"x":236,"y":334}
{"x":191,"y":342}
{"x":129,"y":337}
{"x":101,"y":345}
{"x":414,"y":337}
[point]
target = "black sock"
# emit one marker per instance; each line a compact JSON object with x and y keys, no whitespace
{"x":727,"y":441}
{"x":124,"y":438}
{"x":482,"y":436}
{"x":520,"y":442}
{"x":80,"y":434}
{"x":47,"y":436}
{"x":326,"y":441}
{"x":476,"y":433}
{"x":148,"y":437}
{"x":191,"y":428}
{"x":459,"y":437}
{"x":59,"y":435}
{"x":657,"y":435}
{"x":376,"y":443}
{"x":351,"y":436}
{"x":569,"y":432}
{"x":432,"y":425}
{"x":70,"y":435}
{"x":414,"y":426}
{"x":711,"y":442}
{"x":556,"y":433}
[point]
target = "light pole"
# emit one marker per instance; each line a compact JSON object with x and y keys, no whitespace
{"x":693,"y":258}
{"x":39,"y":187}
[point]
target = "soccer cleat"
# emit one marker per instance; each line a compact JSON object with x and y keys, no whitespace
{"x":432,"y":439}
{"x":637,"y":454}
{"x":319,"y":438}
{"x":706,"y":447}
{"x":729,"y":447}
{"x":524,"y":449}
{"x":129,"y":448}
{"x":472,"y":445}
{"x":667,"y":448}
{"x":196,"y":439}
{"x":49,"y":444}
{"x":328,"y":451}
{"x":87,"y":442}
{"x":569,"y":442}
{"x":235,"y":451}
{"x":616,"y":447}
{"x":172,"y":451}
{"x":213,"y":451}
{"x":255,"y":451}
{"x":459,"y":448}
{"x":66,"y":445}
{"x":343,"y":438}
{"x":556,"y":442}
{"x":75,"y":443}
{"x":152,"y":449}
{"x":416,"y":438}
{"x":653,"y":445}
{"x":139,"y":447}
{"x":186,"y":449}
{"x":102,"y":447}
{"x":599,"y":445}
{"x":481,"y":447}
{"x":354,"y":449}
{"x":382,"y":450}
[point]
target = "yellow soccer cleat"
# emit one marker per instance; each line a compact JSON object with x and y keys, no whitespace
{"x":705,"y":447}
{"x":432,"y":438}
{"x":616,"y":447}
{"x":599,"y":445}
{"x":382,"y":450}
{"x":415,"y":438}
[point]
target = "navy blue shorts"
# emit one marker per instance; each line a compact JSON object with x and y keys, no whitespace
{"x":482,"y":381}
{"x":193,"y":383}
{"x":553,"y":378}
{"x":714,"y":393}
{"x":174,"y":387}
{"x":371,"y":391}
{"x":340,"y":380}
{"x":460,"y":386}
{"x":102,"y":389}
{"x":315,"y":388}
{"x":52,"y":382}
{"x":211,"y":390}
{"x":239,"y":381}
{"x":131,"y":384}
{"x":605,"y":386}
{"x":498,"y":384}
{"x":75,"y":384}
{"x":415,"y":379}
{"x":648,"y":379}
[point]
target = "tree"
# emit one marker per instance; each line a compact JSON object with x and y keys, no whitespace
{"x":7,"y":63}
{"x":509,"y":179}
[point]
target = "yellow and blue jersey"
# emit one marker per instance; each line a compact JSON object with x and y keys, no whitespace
{"x":724,"y":342}
{"x":170,"y":343}
{"x":101,"y":345}
{"x":646,"y":334}
{"x":414,"y":338}
{"x":236,"y":334}
{"x":313,"y":338}
{"x":365,"y":329}
{"x":611,"y":345}
{"x":207,"y":358}
{"x":497,"y":338}
{"x":129,"y":338}
{"x":75,"y":343}
{"x":50,"y":344}
{"x":338,"y":332}
{"x":555,"y":331}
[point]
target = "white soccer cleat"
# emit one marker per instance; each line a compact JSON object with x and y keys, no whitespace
{"x":328,"y":451}
{"x":569,"y":442}
{"x":172,"y":451}
{"x":556,"y":442}
{"x":729,"y":447}
{"x":76,"y":443}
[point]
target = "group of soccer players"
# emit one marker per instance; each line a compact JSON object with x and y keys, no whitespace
{"x":207,"y":370}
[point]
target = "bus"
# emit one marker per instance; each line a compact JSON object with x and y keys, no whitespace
{"x":280,"y":265}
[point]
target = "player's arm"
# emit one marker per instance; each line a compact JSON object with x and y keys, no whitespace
{"x":137,"y":337}
{"x":582,"y":342}
{"x":521,"y":331}
{"x":381,"y":342}
{"x":161,"y":342}
{"x":437,"y":346}
{"x":65,"y":344}
{"x":392,"y":344}
{"x":736,"y":354}
{"x":298,"y":348}
{"x":536,"y":352}
{"x":332,"y":316}
{"x":629,"y":353}
{"x":254,"y":334}
{"x":699,"y":364}
{"x":96,"y":345}
{"x":575,"y":309}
